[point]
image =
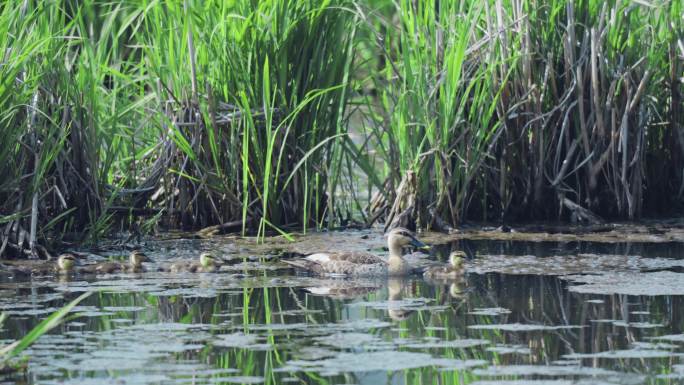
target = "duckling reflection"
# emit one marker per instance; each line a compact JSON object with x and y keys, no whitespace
{"x":395,"y":289}
{"x":457,"y":289}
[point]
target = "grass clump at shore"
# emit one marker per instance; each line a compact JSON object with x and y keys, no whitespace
{"x":525,"y":110}
{"x":197,"y":113}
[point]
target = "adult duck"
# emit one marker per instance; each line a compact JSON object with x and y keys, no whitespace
{"x":359,"y":264}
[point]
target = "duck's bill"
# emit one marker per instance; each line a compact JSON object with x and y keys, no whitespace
{"x":418,"y":244}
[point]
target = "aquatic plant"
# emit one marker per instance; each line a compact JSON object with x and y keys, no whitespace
{"x":15,"y":348}
{"x":197,"y":114}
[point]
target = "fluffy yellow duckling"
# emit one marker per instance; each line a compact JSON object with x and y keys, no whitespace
{"x":453,"y":270}
{"x":64,"y":265}
{"x":135,"y":261}
{"x":207,"y":264}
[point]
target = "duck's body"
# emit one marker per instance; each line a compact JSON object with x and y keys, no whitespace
{"x":207,"y":264}
{"x":346,"y":264}
{"x":451,"y":271}
{"x":134,"y":265}
{"x":361,"y":264}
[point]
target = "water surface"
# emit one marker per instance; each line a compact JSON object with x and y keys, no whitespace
{"x":524,"y":313}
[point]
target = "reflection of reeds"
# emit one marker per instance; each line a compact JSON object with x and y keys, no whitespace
{"x":531,"y":300}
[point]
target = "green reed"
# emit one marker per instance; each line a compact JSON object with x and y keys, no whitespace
{"x":519,"y":109}
{"x":194,"y":113}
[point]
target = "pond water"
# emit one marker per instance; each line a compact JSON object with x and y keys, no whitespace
{"x":523,"y":313}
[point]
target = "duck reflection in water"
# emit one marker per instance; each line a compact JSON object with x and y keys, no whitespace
{"x":396,"y":308}
{"x":339,"y":288}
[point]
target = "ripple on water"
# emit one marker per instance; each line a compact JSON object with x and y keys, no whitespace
{"x":626,"y":353}
{"x":375,"y":361}
{"x":518,"y":327}
{"x":629,"y":283}
{"x":146,"y":339}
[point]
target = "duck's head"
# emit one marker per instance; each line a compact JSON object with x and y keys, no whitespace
{"x":66,"y":262}
{"x":456,"y":258}
{"x":137,"y":258}
{"x":208,"y":260}
{"x":400,"y":237}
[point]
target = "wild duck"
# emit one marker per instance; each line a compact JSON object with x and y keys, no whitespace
{"x":207,"y":264}
{"x":453,"y":270}
{"x":65,"y":264}
{"x":135,"y":261}
{"x":363,"y":263}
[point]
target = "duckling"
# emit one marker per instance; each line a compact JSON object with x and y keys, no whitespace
{"x":65,"y":265}
{"x":207,"y":264}
{"x":361,"y":263}
{"x":135,"y":261}
{"x":453,"y":270}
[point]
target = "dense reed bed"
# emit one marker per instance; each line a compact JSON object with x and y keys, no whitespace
{"x":192,"y":114}
{"x":530,"y":110}
{"x":263,"y":116}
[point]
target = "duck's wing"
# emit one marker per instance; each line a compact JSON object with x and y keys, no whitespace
{"x":343,"y":264}
{"x":350,"y":264}
{"x":304,"y":264}
{"x":356,"y":258}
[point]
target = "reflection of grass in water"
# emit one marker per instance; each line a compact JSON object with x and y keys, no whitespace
{"x":54,"y":319}
{"x":538,"y":300}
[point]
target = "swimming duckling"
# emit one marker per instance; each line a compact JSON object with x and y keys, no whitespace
{"x":66,"y":262}
{"x":453,"y":270}
{"x":207,"y":264}
{"x":65,"y":265}
{"x":135,"y":261}
{"x":363,"y":263}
